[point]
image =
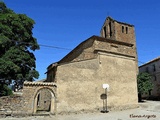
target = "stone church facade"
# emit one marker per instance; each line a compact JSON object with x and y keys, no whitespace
{"x":75,"y":82}
{"x":109,"y":59}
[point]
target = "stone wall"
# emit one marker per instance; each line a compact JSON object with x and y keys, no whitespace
{"x":128,"y":37}
{"x":31,"y":91}
{"x":74,"y":82}
{"x":83,"y":51}
{"x":120,"y":73}
{"x":113,"y":47}
{"x":26,"y":103}
{"x":80,"y":83}
{"x":11,"y":105}
{"x":17,"y":104}
{"x":88,"y":49}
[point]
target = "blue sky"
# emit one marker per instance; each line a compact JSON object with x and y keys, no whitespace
{"x":67,"y":23}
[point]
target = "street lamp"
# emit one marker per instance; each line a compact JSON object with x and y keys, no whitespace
{"x":104,"y":97}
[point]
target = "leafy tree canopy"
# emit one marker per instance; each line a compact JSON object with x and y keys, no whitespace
{"x":144,"y":83}
{"x":17,"y":62}
{"x":5,"y":90}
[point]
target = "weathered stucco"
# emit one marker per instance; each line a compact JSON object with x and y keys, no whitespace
{"x":80,"y":83}
{"x":111,"y":59}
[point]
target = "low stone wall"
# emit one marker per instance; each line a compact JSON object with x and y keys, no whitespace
{"x":11,"y":105}
{"x":25,"y":103}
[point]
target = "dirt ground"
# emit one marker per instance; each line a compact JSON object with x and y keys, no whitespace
{"x":149,"y":110}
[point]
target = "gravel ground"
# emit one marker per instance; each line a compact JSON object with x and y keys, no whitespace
{"x":149,"y":110}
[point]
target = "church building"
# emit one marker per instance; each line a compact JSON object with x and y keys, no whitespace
{"x":107,"y":60}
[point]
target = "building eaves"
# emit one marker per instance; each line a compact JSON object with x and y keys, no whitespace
{"x":151,"y":61}
{"x":59,"y":62}
{"x":78,"y":46}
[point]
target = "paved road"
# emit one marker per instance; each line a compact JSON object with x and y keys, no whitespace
{"x":149,"y":110}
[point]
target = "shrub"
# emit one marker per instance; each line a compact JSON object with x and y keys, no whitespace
{"x":5,"y":90}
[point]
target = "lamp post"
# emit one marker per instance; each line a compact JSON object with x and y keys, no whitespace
{"x":105,"y":87}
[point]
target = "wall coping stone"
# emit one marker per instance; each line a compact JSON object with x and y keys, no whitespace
{"x":40,"y":84}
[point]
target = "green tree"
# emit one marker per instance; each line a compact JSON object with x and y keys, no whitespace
{"x":17,"y":44}
{"x":144,"y":84}
{"x":5,"y":90}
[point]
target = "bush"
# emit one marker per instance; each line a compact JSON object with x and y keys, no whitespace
{"x":5,"y":90}
{"x":144,"y":84}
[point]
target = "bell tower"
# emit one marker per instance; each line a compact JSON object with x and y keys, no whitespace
{"x":118,"y":31}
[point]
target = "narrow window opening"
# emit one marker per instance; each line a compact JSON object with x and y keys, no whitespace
{"x":126,"y":30}
{"x":110,"y":29}
{"x":154,"y":68}
{"x":122,"y":29}
{"x":104,"y":30}
{"x":38,"y":100}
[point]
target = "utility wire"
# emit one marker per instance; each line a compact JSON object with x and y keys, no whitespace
{"x":55,"y":47}
{"x":49,"y":46}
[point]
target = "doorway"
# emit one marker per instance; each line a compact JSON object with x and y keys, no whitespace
{"x":44,"y":101}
